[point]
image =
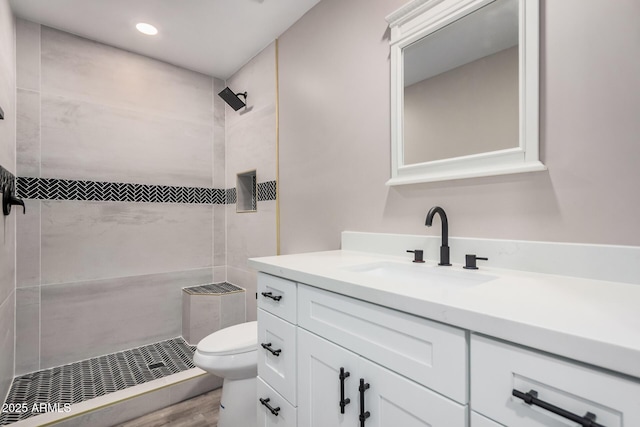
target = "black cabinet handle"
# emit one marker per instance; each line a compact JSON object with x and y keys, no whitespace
{"x":343,"y":402}
{"x":267,"y":347}
{"x":531,"y":398}
{"x":363,"y":415}
{"x":273,"y":297}
{"x":265,"y":402}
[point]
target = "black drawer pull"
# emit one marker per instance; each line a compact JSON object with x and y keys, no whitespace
{"x":363,"y":415}
{"x":531,"y":398}
{"x":343,"y":402}
{"x":273,"y":297}
{"x":267,"y":347}
{"x":265,"y":402}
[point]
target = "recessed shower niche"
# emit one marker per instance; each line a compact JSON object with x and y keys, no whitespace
{"x":246,"y":193}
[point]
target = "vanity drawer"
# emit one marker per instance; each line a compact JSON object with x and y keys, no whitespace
{"x":277,"y":296}
{"x":429,"y":353}
{"x":287,"y":414}
{"x":277,"y":367}
{"x":498,"y":368}
{"x":478,"y":420}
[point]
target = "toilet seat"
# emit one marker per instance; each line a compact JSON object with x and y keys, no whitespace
{"x":235,"y":339}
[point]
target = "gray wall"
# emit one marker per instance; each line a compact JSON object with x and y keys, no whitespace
{"x":335,"y":137}
{"x":7,"y":223}
{"x":95,"y":277}
{"x":251,"y":144}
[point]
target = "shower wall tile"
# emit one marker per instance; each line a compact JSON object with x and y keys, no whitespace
{"x":220,"y":233}
{"x":219,"y":179}
{"x":7,"y":255}
{"x":28,"y":245}
{"x":251,"y":145}
{"x":7,"y":89}
{"x":248,"y":279}
{"x":7,"y":319}
{"x":27,"y":55}
{"x":28,"y":133}
{"x":219,"y":176}
{"x":232,"y":309}
{"x":94,"y":240}
{"x":86,"y":319}
{"x":115,"y":77}
{"x":130,"y":146}
{"x":258,"y":78}
{"x":7,"y":172}
{"x":27,"y":330}
{"x":250,"y":234}
{"x":250,"y":136}
{"x":220,"y":273}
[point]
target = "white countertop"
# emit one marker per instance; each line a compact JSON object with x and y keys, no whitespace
{"x":593,"y":321}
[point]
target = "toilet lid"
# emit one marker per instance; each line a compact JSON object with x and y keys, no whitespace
{"x":240,"y":338}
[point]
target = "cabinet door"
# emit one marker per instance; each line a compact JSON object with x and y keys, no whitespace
{"x":319,"y":363}
{"x":393,"y":400}
{"x":390,"y":399}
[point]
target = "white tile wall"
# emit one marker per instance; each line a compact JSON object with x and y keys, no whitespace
{"x":93,"y":240}
{"x":85,"y":319}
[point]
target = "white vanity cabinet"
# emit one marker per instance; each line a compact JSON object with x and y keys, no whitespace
{"x":342,"y":361}
{"x":499,"y":368}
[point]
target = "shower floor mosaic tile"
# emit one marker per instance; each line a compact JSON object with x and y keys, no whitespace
{"x":55,"y":389}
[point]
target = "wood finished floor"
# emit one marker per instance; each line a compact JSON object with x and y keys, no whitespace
{"x":200,"y":411}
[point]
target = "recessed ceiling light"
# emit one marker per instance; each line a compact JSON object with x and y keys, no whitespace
{"x":148,"y":29}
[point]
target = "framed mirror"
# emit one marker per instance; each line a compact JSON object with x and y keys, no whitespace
{"x":464,"y":89}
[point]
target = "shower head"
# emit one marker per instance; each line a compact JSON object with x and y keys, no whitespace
{"x":233,"y":99}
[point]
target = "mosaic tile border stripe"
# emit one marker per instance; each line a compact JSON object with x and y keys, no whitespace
{"x":7,"y":177}
{"x":266,"y":191}
{"x":66,"y":189}
{"x":84,"y":380}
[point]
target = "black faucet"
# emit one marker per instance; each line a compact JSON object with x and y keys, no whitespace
{"x":444,"y":248}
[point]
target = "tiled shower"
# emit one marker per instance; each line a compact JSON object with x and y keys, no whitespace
{"x":128,"y":168}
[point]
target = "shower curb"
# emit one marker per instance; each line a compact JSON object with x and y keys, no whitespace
{"x":133,"y":402}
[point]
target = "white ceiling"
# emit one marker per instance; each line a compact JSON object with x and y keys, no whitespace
{"x":215,"y":37}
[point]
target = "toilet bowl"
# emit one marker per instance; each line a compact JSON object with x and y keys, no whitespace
{"x":231,"y":354}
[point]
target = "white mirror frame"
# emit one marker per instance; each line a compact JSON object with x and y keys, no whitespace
{"x":416,"y":20}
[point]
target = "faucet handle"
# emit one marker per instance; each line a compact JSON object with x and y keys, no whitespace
{"x":470,"y":261}
{"x":418,"y":255}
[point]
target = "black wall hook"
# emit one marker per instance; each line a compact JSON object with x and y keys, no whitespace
{"x":8,"y":199}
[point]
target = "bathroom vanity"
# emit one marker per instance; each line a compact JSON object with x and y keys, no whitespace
{"x":352,"y":338}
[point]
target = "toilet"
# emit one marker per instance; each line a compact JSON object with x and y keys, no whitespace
{"x":231,"y":354}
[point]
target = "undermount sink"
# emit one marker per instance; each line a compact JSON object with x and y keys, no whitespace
{"x":423,"y":274}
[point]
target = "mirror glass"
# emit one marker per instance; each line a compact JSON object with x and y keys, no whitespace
{"x":461,"y":87}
